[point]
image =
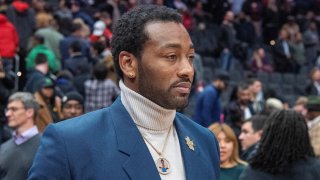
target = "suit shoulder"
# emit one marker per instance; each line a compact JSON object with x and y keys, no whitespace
{"x":83,"y":123}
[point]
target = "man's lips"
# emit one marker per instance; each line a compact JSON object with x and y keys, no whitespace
{"x":183,"y":87}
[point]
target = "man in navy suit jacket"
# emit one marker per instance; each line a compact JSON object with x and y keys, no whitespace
{"x":140,"y":136}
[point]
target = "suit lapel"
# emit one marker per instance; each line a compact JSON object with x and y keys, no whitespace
{"x":195,"y":167}
{"x":139,"y":164}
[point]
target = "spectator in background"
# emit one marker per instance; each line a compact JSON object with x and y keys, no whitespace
{"x":16,"y":154}
{"x":227,"y":40}
{"x":241,"y":99}
{"x":52,"y":37}
{"x":22,"y":16}
{"x":272,"y":104}
{"x":43,"y":17}
{"x":245,"y":31}
{"x":72,"y":105}
{"x":98,"y":31}
{"x":257,"y":95}
{"x":236,"y":6}
{"x":298,"y":51}
{"x":314,"y":87}
{"x":76,"y":35}
{"x":271,"y":22}
{"x":313,"y":117}
{"x":102,"y":28}
{"x":64,"y":82}
{"x":283,"y":61}
{"x":259,"y":63}
{"x":50,"y":104}
{"x":199,"y":15}
{"x":250,"y":136}
{"x":6,"y":87}
{"x":101,"y":91}
{"x":199,"y":81}
{"x":38,"y":74}
{"x":254,"y":8}
{"x":235,"y":121}
{"x":311,"y":43}
{"x":39,"y":47}
{"x":9,"y":41}
{"x":231,"y":166}
{"x":77,"y":12}
{"x":76,"y":59}
{"x":98,"y":51}
{"x":285,"y":151}
{"x":208,"y":108}
{"x":85,"y":30}
{"x":108,"y":62}
{"x":292,"y":28}
{"x":63,"y":11}
{"x":300,"y":106}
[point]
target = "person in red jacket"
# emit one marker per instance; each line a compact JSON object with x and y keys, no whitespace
{"x":9,"y":40}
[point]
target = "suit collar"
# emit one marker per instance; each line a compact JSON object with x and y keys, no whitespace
{"x":131,"y":143}
{"x":194,"y":165}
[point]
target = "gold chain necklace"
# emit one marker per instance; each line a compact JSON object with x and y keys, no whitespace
{"x":162,"y":163}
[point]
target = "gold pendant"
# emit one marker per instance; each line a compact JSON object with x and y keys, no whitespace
{"x":163,"y":166}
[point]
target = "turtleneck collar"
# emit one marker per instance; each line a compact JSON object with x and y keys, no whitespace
{"x":145,"y":113}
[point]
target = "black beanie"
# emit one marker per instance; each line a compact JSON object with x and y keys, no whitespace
{"x":73,"y":95}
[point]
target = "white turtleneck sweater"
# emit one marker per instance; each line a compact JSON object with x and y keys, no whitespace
{"x":154,"y":122}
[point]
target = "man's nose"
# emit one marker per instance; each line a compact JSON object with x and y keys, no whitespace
{"x":186,"y":69}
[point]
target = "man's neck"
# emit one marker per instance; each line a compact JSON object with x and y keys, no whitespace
{"x":144,"y":112}
{"x":42,"y":68}
{"x":24,"y":128}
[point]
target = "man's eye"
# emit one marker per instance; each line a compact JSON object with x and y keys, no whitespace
{"x":191,"y":58}
{"x":172,"y":57}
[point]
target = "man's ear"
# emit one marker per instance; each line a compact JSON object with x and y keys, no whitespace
{"x":30,"y":112}
{"x":260,"y":133}
{"x":128,"y":64}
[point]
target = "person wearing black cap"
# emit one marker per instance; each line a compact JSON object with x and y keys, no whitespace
{"x":72,"y":105}
{"x":208,"y":108}
{"x":50,"y":104}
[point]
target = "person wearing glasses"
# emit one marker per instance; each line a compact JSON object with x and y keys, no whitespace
{"x":16,"y":154}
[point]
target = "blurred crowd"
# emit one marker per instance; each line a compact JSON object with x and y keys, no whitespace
{"x":254,"y":58}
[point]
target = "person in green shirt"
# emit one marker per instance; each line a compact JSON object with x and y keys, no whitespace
{"x":41,"y":48}
{"x":231,"y":166}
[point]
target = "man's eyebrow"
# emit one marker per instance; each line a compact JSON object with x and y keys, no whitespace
{"x":173,"y":45}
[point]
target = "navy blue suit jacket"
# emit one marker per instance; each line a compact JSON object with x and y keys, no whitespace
{"x":106,"y":144}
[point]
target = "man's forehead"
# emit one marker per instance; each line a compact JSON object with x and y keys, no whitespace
{"x":247,"y":125}
{"x":164,"y":29}
{"x":72,"y":102}
{"x":15,"y":103}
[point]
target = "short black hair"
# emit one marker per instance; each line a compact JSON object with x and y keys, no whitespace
{"x":257,"y":122}
{"x":39,"y":38}
{"x":98,"y":46}
{"x":75,"y":26}
{"x":100,"y":71}
{"x":129,"y":31}
{"x":75,"y":46}
{"x":41,"y":58}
